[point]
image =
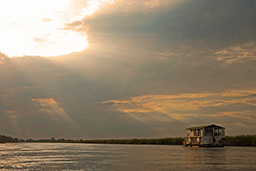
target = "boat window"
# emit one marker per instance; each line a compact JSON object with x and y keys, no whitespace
{"x":218,"y":132}
{"x":221,"y":132}
{"x":208,"y":131}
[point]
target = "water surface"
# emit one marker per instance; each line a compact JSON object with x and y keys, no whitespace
{"x":65,"y":156}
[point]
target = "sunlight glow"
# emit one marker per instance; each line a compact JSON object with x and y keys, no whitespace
{"x":37,"y":28}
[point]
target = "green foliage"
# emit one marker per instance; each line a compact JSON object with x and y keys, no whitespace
{"x":4,"y":139}
{"x":238,"y":140}
{"x":241,"y":140}
{"x":162,"y":141}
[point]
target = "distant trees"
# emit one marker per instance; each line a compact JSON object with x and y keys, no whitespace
{"x":4,"y":138}
{"x":241,"y":140}
{"x":238,"y":140}
{"x":161,"y":141}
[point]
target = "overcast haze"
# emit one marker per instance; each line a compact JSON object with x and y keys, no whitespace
{"x":127,"y":68}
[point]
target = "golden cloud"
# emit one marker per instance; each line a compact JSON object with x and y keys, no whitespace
{"x":11,"y":114}
{"x":239,"y":93}
{"x":45,"y":102}
{"x":238,"y":53}
{"x":133,"y":110}
{"x":247,"y":114}
{"x":54,"y":111}
{"x":183,"y":102}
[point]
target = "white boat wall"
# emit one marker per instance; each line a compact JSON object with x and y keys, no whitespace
{"x":205,"y":136}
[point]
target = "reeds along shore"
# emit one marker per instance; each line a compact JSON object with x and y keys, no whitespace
{"x":241,"y":140}
{"x":238,"y":140}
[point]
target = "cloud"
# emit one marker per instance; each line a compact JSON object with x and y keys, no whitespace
{"x":186,"y":105}
{"x":52,"y":108}
{"x":240,"y":53}
{"x":39,"y":28}
{"x":239,"y":93}
{"x":187,"y":20}
{"x":133,"y":110}
{"x":150,"y":4}
{"x":11,"y":114}
{"x":133,"y":6}
{"x":2,"y":58}
{"x":160,"y":103}
{"x":247,"y":114}
{"x":168,"y":106}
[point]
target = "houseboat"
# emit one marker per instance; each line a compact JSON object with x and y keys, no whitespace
{"x":205,"y":136}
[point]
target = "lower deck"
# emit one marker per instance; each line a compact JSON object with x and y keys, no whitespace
{"x":186,"y":144}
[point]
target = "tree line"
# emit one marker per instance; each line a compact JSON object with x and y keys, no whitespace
{"x":4,"y":138}
{"x":238,"y":140}
{"x":160,"y":141}
{"x":241,"y":140}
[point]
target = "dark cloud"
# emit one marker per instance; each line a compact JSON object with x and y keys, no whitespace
{"x":218,"y":24}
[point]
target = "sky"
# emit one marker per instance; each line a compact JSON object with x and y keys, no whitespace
{"x":102,"y":69}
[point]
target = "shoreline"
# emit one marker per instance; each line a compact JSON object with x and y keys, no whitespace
{"x":239,"y":140}
{"x":38,"y":142}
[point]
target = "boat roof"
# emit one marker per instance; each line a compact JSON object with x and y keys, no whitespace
{"x":205,"y":126}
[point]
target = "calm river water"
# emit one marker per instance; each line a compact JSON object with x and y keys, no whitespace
{"x":53,"y":156}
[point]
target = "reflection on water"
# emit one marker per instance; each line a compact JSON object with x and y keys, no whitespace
{"x":208,"y":155}
{"x":47,"y":156}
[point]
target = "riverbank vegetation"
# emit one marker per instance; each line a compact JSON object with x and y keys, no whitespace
{"x":241,"y":140}
{"x":161,"y":141}
{"x":4,"y":139}
{"x":238,"y":140}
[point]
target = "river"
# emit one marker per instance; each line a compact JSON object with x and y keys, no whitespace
{"x":104,"y":157}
